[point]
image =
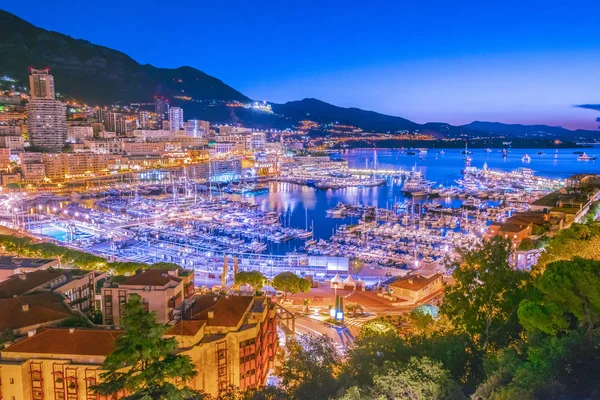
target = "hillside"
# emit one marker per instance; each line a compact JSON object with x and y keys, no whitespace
{"x":322,"y":112}
{"x":518,"y":130}
{"x":98,"y":75}
{"x":95,"y":73}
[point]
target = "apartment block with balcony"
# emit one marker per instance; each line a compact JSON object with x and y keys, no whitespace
{"x":77,"y":287}
{"x":161,"y":290}
{"x":55,"y":363}
{"x":232,"y":340}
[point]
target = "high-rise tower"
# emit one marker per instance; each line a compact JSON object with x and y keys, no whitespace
{"x":41,"y":84}
{"x":46,"y":116}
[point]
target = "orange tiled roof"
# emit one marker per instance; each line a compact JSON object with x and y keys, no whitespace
{"x":78,"y":341}
{"x":188,"y":327}
{"x":20,"y":284}
{"x":227,"y":311}
{"x":150,"y":277}
{"x":41,"y":308}
{"x":414,"y":282}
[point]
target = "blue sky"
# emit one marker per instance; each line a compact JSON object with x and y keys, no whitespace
{"x":453,"y":61}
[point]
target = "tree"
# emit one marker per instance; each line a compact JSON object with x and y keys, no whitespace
{"x":288,"y":282}
{"x":255,"y":279}
{"x":570,"y":293}
{"x":308,"y":369}
{"x":420,"y":319}
{"x":165,"y":265}
{"x":7,"y":335}
{"x":577,"y":240}
{"x":487,"y":291}
{"x":526,"y":244}
{"x":354,"y":309}
{"x":419,"y":379}
{"x":143,"y":363}
{"x":378,"y":342}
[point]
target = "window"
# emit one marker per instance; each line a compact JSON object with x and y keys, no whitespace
{"x":12,"y":381}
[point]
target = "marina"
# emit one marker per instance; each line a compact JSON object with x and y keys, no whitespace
{"x":402,"y":215}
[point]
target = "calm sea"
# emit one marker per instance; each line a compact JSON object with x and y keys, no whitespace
{"x":299,"y":204}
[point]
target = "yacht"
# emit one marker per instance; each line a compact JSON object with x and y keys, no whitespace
{"x":526,"y":158}
{"x":488,"y":150}
{"x":585,"y":157}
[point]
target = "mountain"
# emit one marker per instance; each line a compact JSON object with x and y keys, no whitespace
{"x":95,"y":73}
{"x":98,"y":75}
{"x":517,"y":130}
{"x":322,"y":112}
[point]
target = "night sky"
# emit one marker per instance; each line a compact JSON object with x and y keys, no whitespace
{"x":452,"y":61}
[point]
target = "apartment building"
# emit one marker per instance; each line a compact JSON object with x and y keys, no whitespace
{"x":14,"y":143}
{"x":55,"y":363}
{"x":162,"y":291}
{"x":232,"y":340}
{"x":61,"y":166}
{"x":11,"y":265}
{"x":77,"y":286}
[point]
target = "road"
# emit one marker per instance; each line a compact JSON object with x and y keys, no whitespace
{"x":340,"y":334}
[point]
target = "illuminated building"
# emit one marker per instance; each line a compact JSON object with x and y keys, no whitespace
{"x":224,"y":129}
{"x":144,"y":119}
{"x":15,"y":143}
{"x":232,"y":340}
{"x":258,"y":141}
{"x":162,"y":291}
{"x":46,"y":116}
{"x":416,"y":287}
{"x":10,"y":265}
{"x":161,"y":108}
{"x":4,"y":158}
{"x":176,"y":118}
{"x":77,"y":133}
{"x":103,"y":146}
{"x":10,"y":130}
{"x":41,"y":84}
{"x":55,"y":363}
{"x":197,"y":128}
{"x":32,"y":167}
{"x":224,"y":147}
{"x":62,"y":166}
{"x":77,"y":286}
{"x":144,"y":149}
{"x":47,"y":123}
{"x":143,"y":135}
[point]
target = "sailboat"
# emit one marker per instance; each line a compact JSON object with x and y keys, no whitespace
{"x":526,"y":158}
{"x":466,"y":150}
{"x":466,"y":153}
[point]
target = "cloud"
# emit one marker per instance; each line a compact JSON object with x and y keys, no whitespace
{"x":589,"y":106}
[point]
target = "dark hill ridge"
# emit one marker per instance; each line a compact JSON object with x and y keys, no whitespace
{"x":95,"y":73}
{"x":516,"y":130}
{"x":99,"y":75}
{"x":321,"y":112}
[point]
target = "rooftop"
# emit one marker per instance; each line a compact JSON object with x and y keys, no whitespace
{"x":188,"y":327}
{"x":150,"y":277}
{"x":12,"y":262}
{"x":227,"y":311}
{"x":33,"y":309}
{"x":20,"y":284}
{"x":75,"y":341}
{"x":414,"y":282}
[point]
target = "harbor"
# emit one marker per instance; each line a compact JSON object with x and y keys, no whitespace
{"x":396,"y":218}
